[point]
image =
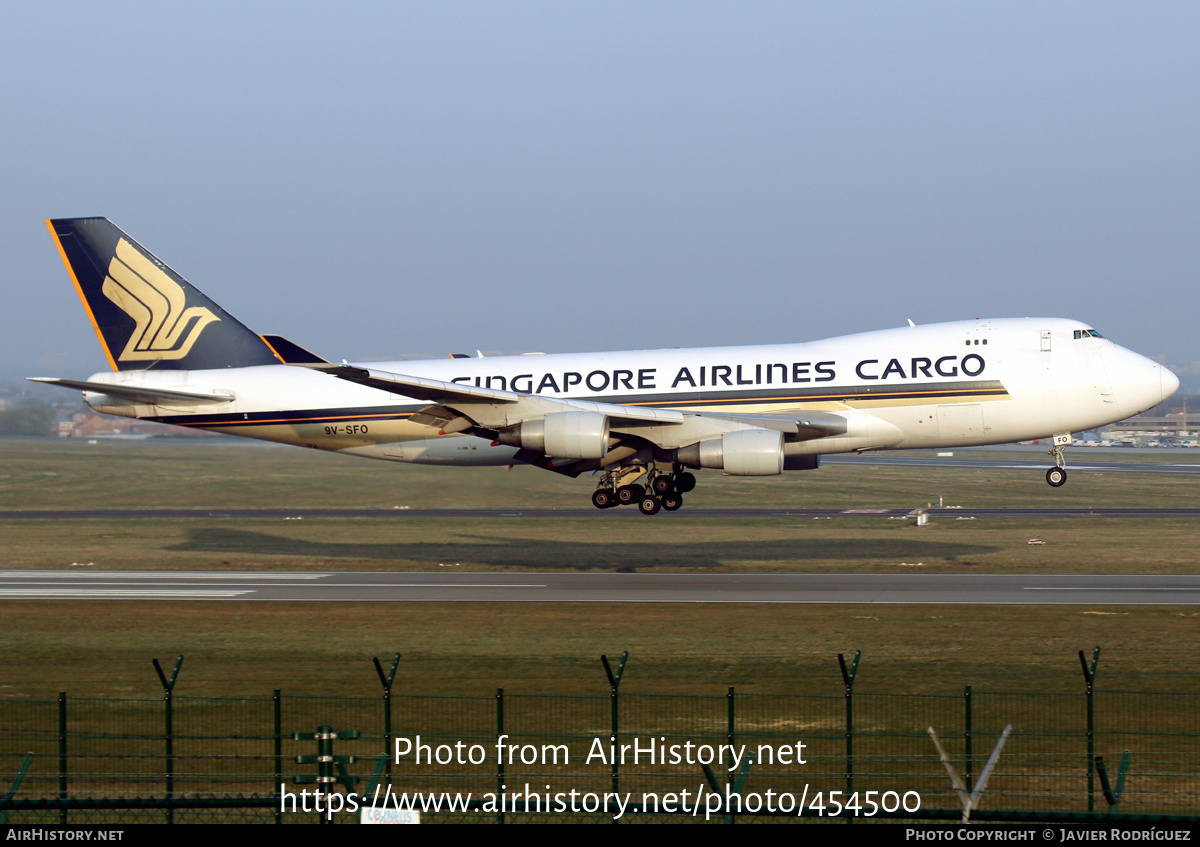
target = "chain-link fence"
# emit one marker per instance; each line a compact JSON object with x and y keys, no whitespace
{"x":190,"y":759}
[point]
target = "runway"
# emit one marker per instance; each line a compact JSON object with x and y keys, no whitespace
{"x":950,"y":513}
{"x":1021,"y":460}
{"x":380,"y":587}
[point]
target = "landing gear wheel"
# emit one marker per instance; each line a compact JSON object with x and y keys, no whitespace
{"x":603,"y":498}
{"x":630,"y":494}
{"x":663,"y":484}
{"x":672,"y":501}
{"x":1056,"y":476}
{"x":649,"y":505}
{"x":685,"y":482}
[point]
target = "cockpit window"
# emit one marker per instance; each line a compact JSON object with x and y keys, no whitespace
{"x":1087,"y":333}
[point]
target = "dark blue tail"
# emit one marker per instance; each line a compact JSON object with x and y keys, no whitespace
{"x":144,"y":313}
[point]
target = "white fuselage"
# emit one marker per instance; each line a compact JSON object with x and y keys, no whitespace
{"x":942,"y":385}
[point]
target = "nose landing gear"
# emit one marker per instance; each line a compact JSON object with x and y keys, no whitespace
{"x":1057,"y":475}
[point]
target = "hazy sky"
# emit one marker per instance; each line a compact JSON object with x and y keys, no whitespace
{"x":379,"y":180}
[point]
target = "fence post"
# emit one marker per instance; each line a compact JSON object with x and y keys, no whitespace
{"x":62,"y":753}
{"x":848,"y":679}
{"x":169,"y":686}
{"x":730,"y":717}
{"x":386,"y":682}
{"x":729,"y":733}
{"x":967,"y":734}
{"x":1089,"y":677}
{"x":614,"y":682}
{"x":16,"y":786}
{"x":499,"y":753}
{"x":326,"y":764}
{"x":277,"y":708}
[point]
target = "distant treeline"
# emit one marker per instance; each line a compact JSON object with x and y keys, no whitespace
{"x":28,"y":420}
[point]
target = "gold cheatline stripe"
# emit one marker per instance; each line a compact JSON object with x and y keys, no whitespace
{"x":79,"y":290}
{"x":669,"y":404}
{"x":297,"y":420}
{"x":827,"y":397}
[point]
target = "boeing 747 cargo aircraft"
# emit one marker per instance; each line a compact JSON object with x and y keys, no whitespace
{"x":640,"y":420}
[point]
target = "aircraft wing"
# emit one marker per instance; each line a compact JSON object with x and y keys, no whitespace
{"x":456,"y":407}
{"x":491,"y":404}
{"x":800,"y":426}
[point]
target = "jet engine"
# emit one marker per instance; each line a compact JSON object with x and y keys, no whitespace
{"x":565,"y":435}
{"x":746,"y":452}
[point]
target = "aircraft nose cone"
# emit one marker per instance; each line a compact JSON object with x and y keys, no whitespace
{"x":1170,"y":383}
{"x":1138,"y":383}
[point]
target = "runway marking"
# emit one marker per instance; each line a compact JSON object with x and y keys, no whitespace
{"x":1100,"y":588}
{"x":307,"y":585}
{"x":105,"y":592}
{"x":156,"y":575}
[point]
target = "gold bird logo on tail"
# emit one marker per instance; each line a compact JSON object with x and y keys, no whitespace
{"x":157,"y":305}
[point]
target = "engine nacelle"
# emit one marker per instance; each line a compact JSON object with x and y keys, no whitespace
{"x":746,"y":452}
{"x":562,"y":435}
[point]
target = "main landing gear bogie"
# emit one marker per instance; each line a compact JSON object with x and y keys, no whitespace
{"x":663,"y":491}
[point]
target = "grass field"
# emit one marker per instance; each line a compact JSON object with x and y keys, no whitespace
{"x":233,"y":474}
{"x":465,"y":648}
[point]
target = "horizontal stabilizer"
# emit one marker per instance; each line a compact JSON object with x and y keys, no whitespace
{"x":136,"y":393}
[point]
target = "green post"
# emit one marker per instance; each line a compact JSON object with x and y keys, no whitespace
{"x":499,"y":753}
{"x":848,"y":679}
{"x":1089,"y":677}
{"x":729,"y":716}
{"x":967,"y":735}
{"x":16,"y":785}
{"x":277,"y":708}
{"x":169,"y":733}
{"x":326,"y":763}
{"x":614,"y":682}
{"x":386,"y":681}
{"x":733,"y":784}
{"x":62,"y":753}
{"x":729,"y":720}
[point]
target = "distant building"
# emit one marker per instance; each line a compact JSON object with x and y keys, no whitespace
{"x":93,"y":425}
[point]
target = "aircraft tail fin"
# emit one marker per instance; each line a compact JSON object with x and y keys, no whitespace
{"x":291,"y":353}
{"x":145,"y":314}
